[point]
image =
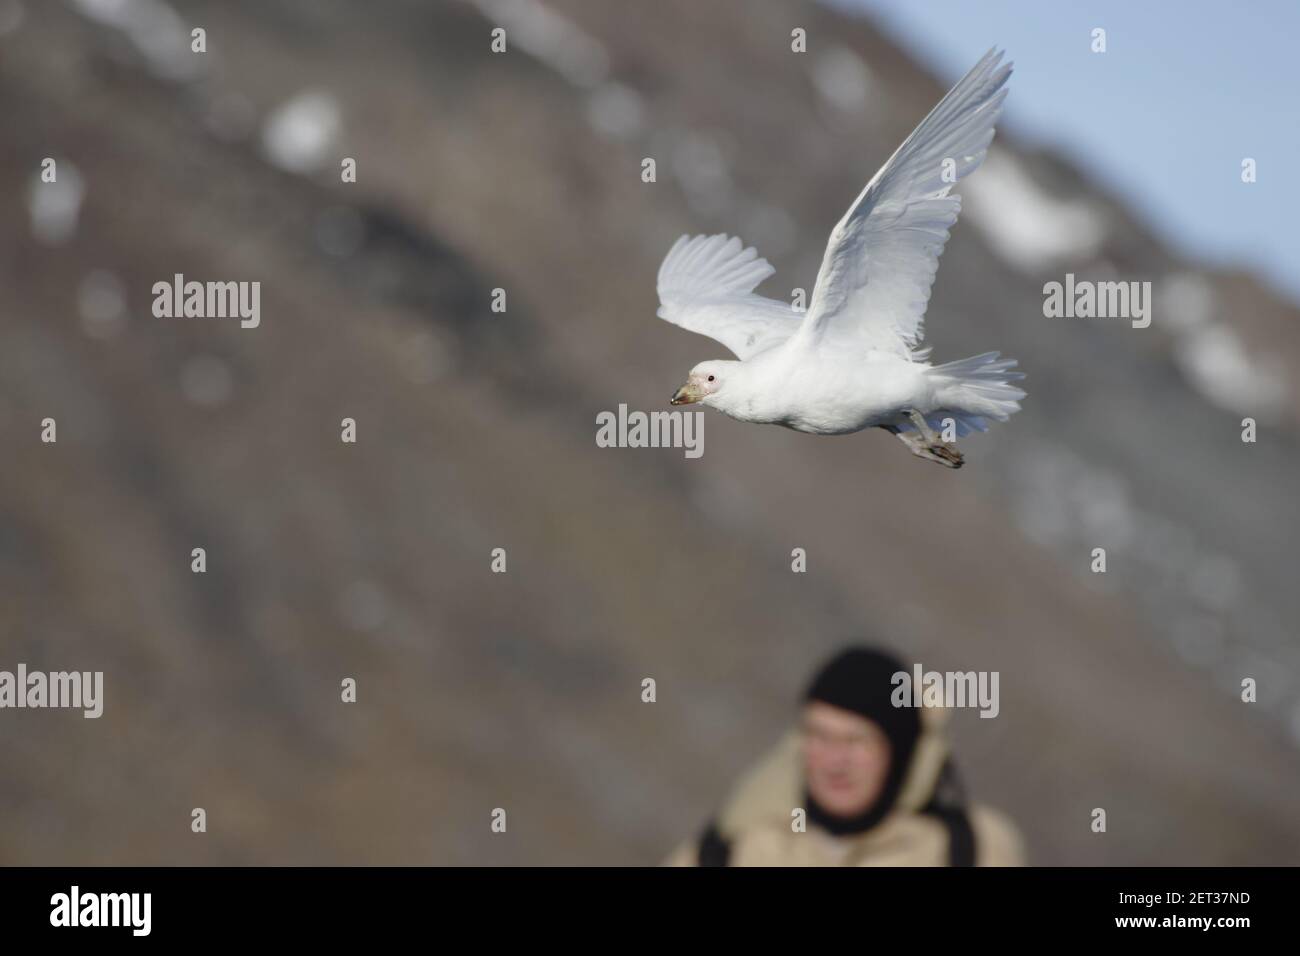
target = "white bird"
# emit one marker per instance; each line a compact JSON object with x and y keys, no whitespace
{"x":854,"y":361}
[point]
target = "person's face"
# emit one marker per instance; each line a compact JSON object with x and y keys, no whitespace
{"x":845,"y":759}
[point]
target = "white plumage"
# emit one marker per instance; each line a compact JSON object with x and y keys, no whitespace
{"x":853,"y":360}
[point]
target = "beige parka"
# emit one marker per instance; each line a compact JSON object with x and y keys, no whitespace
{"x":757,"y":819}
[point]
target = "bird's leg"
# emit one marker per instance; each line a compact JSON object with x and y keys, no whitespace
{"x":923,"y":427}
{"x":924,"y":443}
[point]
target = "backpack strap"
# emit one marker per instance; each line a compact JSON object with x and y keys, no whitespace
{"x":948,"y":805}
{"x":714,"y":849}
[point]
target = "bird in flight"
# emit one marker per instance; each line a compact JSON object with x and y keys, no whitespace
{"x":854,"y":360}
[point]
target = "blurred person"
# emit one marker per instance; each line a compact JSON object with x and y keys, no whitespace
{"x":876,"y":781}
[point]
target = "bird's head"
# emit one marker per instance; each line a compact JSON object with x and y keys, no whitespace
{"x":704,"y":380}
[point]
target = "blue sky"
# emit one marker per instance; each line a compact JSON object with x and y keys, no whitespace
{"x":1164,"y":118}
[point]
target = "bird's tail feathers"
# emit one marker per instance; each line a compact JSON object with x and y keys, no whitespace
{"x":977,"y":388}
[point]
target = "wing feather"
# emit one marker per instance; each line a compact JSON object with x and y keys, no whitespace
{"x":706,"y":285}
{"x":881,"y":259}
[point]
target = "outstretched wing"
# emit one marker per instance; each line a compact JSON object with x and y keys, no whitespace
{"x":880,"y":262}
{"x":706,"y":285}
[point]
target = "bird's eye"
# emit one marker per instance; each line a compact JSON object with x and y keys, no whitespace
{"x":710,"y":378}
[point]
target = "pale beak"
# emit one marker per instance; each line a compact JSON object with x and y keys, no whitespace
{"x":688,"y":394}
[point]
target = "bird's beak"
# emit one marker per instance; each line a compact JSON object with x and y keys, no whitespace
{"x":688,"y":394}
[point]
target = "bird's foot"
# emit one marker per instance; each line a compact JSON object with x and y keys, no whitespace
{"x":926,"y":444}
{"x":945,"y":453}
